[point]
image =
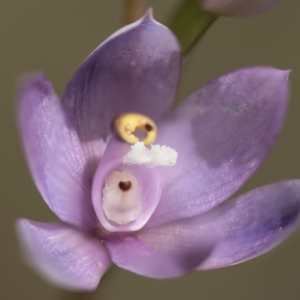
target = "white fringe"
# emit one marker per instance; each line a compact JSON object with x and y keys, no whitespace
{"x":157,"y":155}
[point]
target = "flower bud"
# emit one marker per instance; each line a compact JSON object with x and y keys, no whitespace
{"x":237,"y":8}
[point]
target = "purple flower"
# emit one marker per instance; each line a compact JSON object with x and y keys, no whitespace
{"x":161,"y":221}
{"x":237,"y":8}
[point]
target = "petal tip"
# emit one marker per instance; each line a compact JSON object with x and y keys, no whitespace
{"x":283,"y":74}
{"x":283,"y":81}
{"x":149,"y":14}
{"x":286,"y":74}
{"x":20,"y":224}
{"x":21,"y":227}
{"x":30,"y":78}
{"x":34,"y":80}
{"x":148,"y":18}
{"x":280,"y":74}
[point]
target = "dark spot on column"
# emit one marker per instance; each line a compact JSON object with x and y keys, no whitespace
{"x":125,"y":185}
{"x":148,"y":127}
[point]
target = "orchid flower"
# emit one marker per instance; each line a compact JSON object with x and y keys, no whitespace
{"x":140,"y":184}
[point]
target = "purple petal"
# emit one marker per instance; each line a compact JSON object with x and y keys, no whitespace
{"x":222,"y":134}
{"x":63,"y":255}
{"x":149,"y":181}
{"x":253,"y":223}
{"x":238,"y":8}
{"x":162,"y":252}
{"x":54,"y":153}
{"x":135,"y":70}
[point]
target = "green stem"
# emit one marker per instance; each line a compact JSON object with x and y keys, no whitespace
{"x":190,"y":22}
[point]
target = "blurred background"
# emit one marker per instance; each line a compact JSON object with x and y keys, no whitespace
{"x":56,"y":36}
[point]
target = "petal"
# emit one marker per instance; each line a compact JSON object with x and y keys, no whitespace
{"x":166,"y":251}
{"x":54,"y":153}
{"x":238,"y":8}
{"x":224,"y":131}
{"x":135,"y":70}
{"x":253,"y":223}
{"x":148,"y":184}
{"x":63,"y":255}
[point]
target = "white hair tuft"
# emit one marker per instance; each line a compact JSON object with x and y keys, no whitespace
{"x":156,"y":156}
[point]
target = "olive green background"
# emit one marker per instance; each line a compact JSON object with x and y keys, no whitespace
{"x":56,"y":36}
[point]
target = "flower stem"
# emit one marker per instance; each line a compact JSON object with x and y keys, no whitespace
{"x":133,"y":10}
{"x":189,"y":23}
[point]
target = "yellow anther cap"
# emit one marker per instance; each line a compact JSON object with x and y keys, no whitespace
{"x":126,"y":124}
